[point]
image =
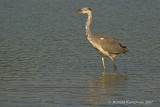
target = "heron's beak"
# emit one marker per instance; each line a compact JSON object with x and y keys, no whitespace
{"x":78,"y":11}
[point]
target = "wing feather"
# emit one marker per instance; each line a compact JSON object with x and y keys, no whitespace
{"x":110,"y":45}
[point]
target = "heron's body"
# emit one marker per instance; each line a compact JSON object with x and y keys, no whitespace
{"x":105,"y":45}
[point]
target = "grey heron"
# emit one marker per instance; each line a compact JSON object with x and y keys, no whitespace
{"x":104,"y":44}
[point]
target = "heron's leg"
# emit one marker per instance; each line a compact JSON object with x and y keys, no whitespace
{"x":103,"y":63}
{"x":114,"y":65}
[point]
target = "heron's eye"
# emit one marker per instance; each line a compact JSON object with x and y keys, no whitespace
{"x":89,"y":9}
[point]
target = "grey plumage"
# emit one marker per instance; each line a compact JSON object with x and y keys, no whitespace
{"x":111,"y":45}
{"x":105,"y":45}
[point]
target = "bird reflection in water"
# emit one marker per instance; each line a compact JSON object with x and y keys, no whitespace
{"x":105,"y":88}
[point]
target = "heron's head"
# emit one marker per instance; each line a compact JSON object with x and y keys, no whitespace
{"x":84,"y":10}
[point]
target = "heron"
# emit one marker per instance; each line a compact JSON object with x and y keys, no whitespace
{"x":104,"y":44}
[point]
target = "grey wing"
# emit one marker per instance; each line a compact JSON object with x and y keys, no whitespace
{"x":111,"y":45}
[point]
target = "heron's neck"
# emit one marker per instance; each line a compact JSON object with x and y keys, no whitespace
{"x":88,"y":32}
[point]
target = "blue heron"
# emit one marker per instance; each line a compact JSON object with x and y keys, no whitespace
{"x":104,"y":44}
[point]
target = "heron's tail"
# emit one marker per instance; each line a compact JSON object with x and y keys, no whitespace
{"x":125,"y":49}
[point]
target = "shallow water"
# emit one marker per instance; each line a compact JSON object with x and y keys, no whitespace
{"x":46,"y":60}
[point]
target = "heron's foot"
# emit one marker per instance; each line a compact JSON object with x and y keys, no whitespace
{"x":103,"y":72}
{"x":114,"y":67}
